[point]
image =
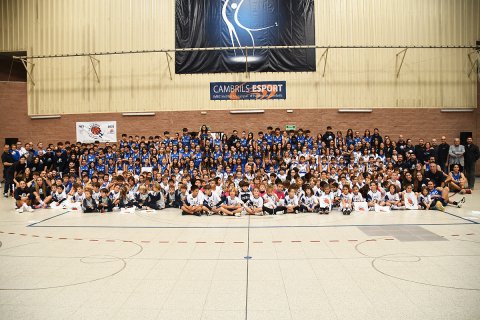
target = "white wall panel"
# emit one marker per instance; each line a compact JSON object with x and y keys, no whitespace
{"x":137,"y":82}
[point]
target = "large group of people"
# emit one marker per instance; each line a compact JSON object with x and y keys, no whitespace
{"x":271,"y":172}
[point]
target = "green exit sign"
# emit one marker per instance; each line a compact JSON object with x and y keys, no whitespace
{"x":290,"y":127}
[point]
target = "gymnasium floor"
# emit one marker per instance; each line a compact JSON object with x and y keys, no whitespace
{"x":399,"y":265}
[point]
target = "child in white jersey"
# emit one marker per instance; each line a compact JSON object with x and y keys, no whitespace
{"x":193,"y":203}
{"x":291,"y":201}
{"x":270,"y":202}
{"x":254,"y":206}
{"x":346,"y":200}
{"x":233,"y":205}
{"x":58,"y":197}
{"x":211,"y":201}
{"x":410,"y":198}
{"x":374,"y":196}
{"x":308,"y":202}
{"x":424,"y":199}
{"x":392,"y":198}
{"x":326,"y":200}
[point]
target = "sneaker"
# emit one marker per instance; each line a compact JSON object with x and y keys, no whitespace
{"x":468,"y":191}
{"x":29,"y":209}
{"x":238,"y":214}
{"x":198,"y":214}
{"x":19,"y":210}
{"x":439,"y":206}
{"x":461,"y":202}
{"x":38,"y":206}
{"x":5,"y":195}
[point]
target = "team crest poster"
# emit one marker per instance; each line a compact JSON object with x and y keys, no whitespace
{"x":101,"y":131}
{"x":240,"y":23}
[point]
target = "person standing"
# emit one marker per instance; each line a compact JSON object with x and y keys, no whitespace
{"x":8,"y":161}
{"x":456,"y":154}
{"x":442,"y":154}
{"x":472,"y":154}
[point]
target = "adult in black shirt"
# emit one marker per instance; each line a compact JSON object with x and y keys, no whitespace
{"x":60,"y":162}
{"x":19,"y":166}
{"x":328,"y":136}
{"x":471,"y":155}
{"x":376,"y":135}
{"x":36,"y":165}
{"x":419,"y":151}
{"x":442,"y":154}
{"x":7,"y":161}
{"x":232,"y":141}
{"x":401,"y":145}
{"x":436,"y":176}
{"x":412,"y":161}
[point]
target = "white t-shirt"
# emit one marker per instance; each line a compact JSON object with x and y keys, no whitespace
{"x":195,"y":201}
{"x":309,"y":202}
{"x":233,"y":202}
{"x":291,"y":201}
{"x":375,"y":196}
{"x":211,"y":200}
{"x":256,"y":202}
{"x":269,"y":201}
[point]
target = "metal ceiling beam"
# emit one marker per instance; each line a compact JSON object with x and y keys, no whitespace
{"x":169,"y":58}
{"x":92,"y":59}
{"x":324,"y":54}
{"x":404,"y":51}
{"x":68,"y":55}
{"x":25,"y":63}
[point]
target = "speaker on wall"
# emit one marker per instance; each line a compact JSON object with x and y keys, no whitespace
{"x":463,"y":137}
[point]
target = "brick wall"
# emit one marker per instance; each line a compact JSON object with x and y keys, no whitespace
{"x":412,"y":123}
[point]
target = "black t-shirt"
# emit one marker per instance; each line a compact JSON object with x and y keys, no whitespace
{"x":19,"y":168}
{"x":44,"y":193}
{"x":21,"y":193}
{"x":436,"y":177}
{"x":7,"y":157}
{"x":328,"y":136}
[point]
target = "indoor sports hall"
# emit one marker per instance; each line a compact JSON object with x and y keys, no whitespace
{"x":239,"y":159}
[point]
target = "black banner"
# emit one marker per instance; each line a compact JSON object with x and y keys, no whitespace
{"x":240,"y":23}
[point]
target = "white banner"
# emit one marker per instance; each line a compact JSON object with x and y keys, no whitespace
{"x":102,"y":131}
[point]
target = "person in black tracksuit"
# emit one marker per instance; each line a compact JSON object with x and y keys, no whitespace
{"x":8,"y":161}
{"x":472,"y":155}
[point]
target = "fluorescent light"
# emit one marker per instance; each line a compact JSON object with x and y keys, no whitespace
{"x":289,"y":111}
{"x":137,"y":114}
{"x":242,"y":59}
{"x":45,"y":117}
{"x":457,"y":110}
{"x":355,"y":110}
{"x":246,"y":111}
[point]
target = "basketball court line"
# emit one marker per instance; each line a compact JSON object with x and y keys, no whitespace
{"x":40,"y":224}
